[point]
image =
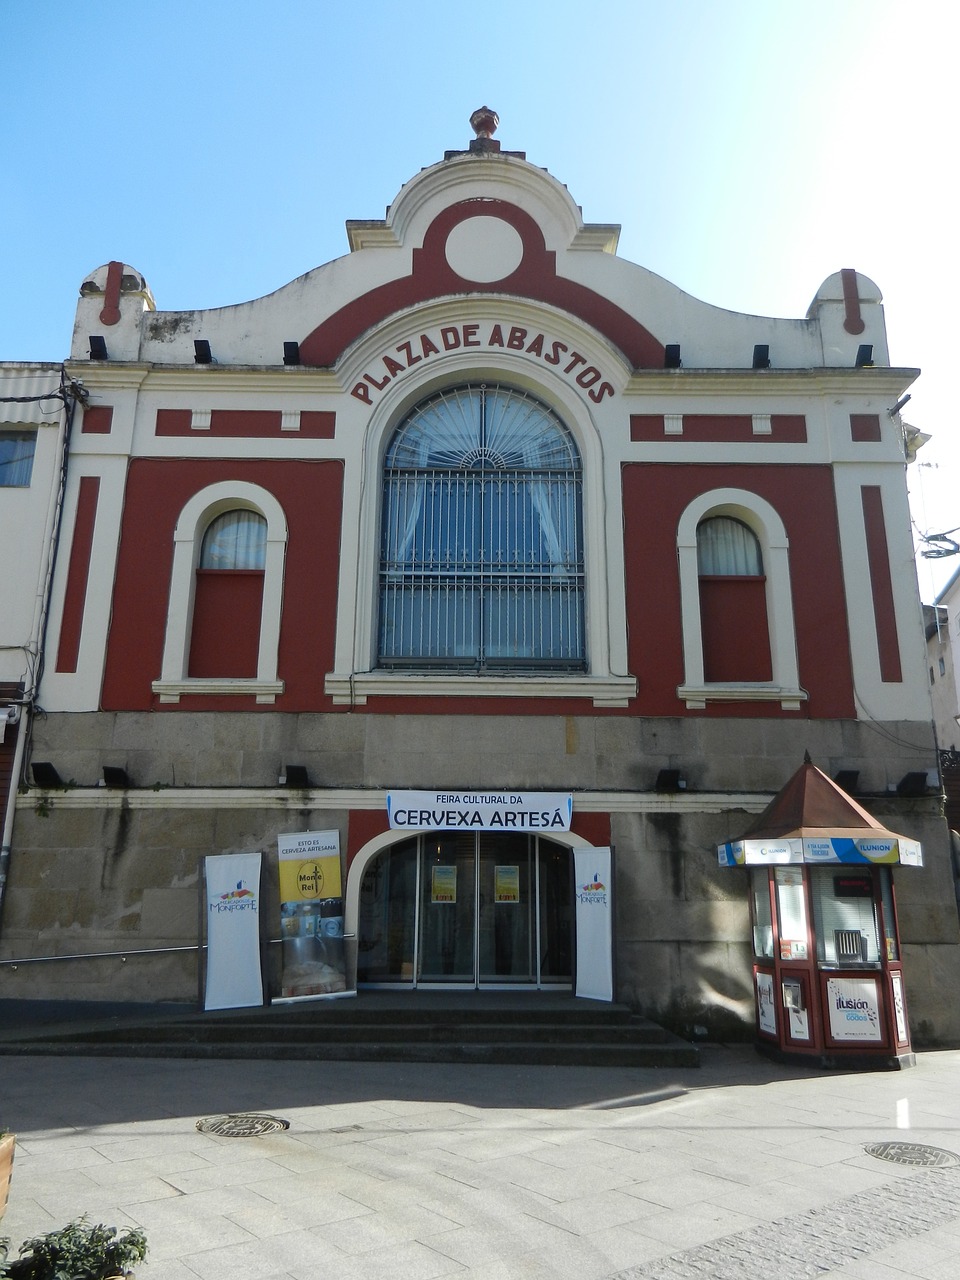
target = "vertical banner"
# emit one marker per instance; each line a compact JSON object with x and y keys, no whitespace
{"x":233,"y":978}
{"x":311,"y":915}
{"x":593,"y":895}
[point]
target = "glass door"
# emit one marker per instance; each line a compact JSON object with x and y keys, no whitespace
{"x":506,"y":921}
{"x":448,"y":895}
{"x":467,"y":910}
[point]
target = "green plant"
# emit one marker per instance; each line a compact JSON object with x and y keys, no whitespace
{"x":79,"y":1251}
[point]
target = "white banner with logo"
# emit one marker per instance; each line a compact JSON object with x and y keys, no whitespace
{"x":479,"y":810}
{"x":593,"y":896}
{"x":882,"y":849}
{"x":233,"y":978}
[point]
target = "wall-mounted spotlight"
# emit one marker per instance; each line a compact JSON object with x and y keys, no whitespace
{"x":761,"y":356}
{"x":116,"y":778}
{"x":98,"y":347}
{"x":201,"y":351}
{"x":291,"y":353}
{"x":296,"y":776}
{"x":864,"y":358}
{"x":45,"y":774}
{"x":846,"y":780}
{"x":913,"y":784}
{"x":671,"y":356}
{"x":670,"y":780}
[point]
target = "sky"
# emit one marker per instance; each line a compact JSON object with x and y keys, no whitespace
{"x":748,"y":150}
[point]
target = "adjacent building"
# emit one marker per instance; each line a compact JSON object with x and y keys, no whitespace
{"x":37,"y":403}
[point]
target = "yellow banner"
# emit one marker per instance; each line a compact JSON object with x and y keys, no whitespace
{"x":310,"y":878}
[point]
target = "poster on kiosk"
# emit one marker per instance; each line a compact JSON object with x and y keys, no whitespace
{"x":593,"y":896}
{"x":232,"y":892}
{"x":311,"y":916}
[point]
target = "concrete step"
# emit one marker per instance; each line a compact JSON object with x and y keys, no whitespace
{"x":410,"y":1027}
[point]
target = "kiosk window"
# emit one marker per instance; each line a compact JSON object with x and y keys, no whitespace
{"x":792,"y":911}
{"x":889,"y":920}
{"x":844,"y":916}
{"x":762,"y":923}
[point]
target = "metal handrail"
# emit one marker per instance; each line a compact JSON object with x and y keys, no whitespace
{"x":137,"y":951}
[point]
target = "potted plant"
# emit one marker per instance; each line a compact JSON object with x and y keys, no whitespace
{"x":79,"y":1251}
{"x":7,"y":1144}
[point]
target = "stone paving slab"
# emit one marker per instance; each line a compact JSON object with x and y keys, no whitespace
{"x":889,"y":1223}
{"x":740,"y":1168}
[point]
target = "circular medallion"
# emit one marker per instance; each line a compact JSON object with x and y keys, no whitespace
{"x":484,"y":249}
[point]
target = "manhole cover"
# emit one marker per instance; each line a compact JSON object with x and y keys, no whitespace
{"x":911,"y":1153}
{"x":243,"y":1124}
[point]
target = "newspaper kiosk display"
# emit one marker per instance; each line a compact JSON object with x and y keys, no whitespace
{"x":827,"y":970}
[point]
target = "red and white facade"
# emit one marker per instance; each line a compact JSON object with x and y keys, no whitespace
{"x":204,"y":684}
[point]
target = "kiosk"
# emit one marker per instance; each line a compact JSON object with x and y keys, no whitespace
{"x":827,"y":971}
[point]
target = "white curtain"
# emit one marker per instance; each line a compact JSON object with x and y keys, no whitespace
{"x":235,"y":540}
{"x":727,"y":547}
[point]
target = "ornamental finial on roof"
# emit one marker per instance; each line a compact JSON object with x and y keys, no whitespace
{"x":484,"y":122}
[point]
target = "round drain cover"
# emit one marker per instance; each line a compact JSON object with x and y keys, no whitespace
{"x":242,"y":1124}
{"x":911,"y":1153}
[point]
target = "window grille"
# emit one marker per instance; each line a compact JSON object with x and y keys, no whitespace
{"x":481,"y":539}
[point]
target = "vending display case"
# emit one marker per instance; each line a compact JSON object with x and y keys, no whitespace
{"x":827,"y":969}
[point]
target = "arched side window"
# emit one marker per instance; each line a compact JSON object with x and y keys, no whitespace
{"x":481,"y":564}
{"x":739,"y":641}
{"x":228,"y":596}
{"x":226,"y":593}
{"x":733,"y":605}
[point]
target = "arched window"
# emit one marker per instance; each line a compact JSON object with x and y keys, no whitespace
{"x":736,"y":602}
{"x":481,"y":562}
{"x":733,"y":607}
{"x":228,"y":597}
{"x":226,"y":590}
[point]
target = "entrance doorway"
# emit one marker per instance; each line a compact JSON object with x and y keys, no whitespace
{"x":478,"y":910}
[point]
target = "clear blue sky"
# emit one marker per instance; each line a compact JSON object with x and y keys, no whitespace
{"x":748,"y":149}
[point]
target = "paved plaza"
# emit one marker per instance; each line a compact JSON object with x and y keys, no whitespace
{"x":739,"y":1169}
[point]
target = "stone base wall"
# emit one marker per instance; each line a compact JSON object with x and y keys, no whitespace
{"x":124,"y":878}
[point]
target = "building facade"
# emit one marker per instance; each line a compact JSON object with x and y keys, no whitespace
{"x":478,"y":508}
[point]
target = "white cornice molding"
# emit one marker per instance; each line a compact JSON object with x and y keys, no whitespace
{"x":372,"y":234}
{"x":697,"y":696}
{"x":597,"y":237}
{"x":355,"y":690}
{"x":296,"y":379}
{"x":821,"y":381}
{"x":321,"y":799}
{"x":120,"y":375}
{"x":172,"y":690}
